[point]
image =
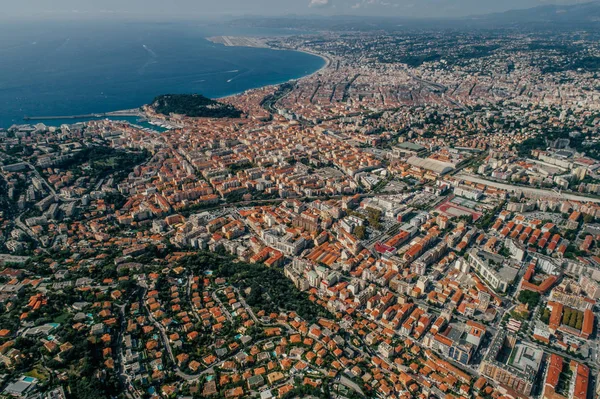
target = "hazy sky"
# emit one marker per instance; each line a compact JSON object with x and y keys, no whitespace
{"x":206,"y":8}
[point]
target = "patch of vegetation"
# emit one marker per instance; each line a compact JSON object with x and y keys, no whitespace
{"x":545,"y":316}
{"x":531,"y":298}
{"x":573,"y":251}
{"x":193,"y":105}
{"x":269,"y":289}
{"x":7,"y":205}
{"x":578,"y":62}
{"x":37,"y":373}
{"x":489,"y":218}
{"x":269,"y":101}
{"x":360,"y":232}
{"x":573,"y":318}
{"x":374,"y":218}
{"x":518,"y":316}
{"x":19,"y":150}
{"x":534,"y":143}
{"x":578,"y":142}
{"x":104,"y":161}
{"x":241,"y":166}
{"x":90,"y":387}
{"x":115,"y":198}
{"x":564,"y":381}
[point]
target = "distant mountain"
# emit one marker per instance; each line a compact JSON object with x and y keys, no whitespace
{"x":586,"y":13}
{"x":311,"y":23}
{"x":583,"y":16}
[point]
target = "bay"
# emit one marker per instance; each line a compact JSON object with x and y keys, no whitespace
{"x":73,"y":68}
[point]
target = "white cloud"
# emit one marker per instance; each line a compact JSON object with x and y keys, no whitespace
{"x":319,"y":3}
{"x":373,"y":3}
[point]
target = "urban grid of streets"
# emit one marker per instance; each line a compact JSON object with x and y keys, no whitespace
{"x":410,"y":221}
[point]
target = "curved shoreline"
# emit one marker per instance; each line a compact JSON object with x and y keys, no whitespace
{"x":328,"y":62}
{"x":47,"y":120}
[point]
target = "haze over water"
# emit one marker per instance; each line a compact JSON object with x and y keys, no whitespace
{"x":73,"y":69}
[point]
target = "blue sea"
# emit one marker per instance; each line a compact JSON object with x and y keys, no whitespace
{"x":74,"y":68}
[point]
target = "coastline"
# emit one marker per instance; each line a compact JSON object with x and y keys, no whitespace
{"x":259,"y":43}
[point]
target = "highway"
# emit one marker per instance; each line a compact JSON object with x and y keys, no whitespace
{"x":527,"y":191}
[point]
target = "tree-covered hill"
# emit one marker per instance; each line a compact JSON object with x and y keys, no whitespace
{"x":193,"y":105}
